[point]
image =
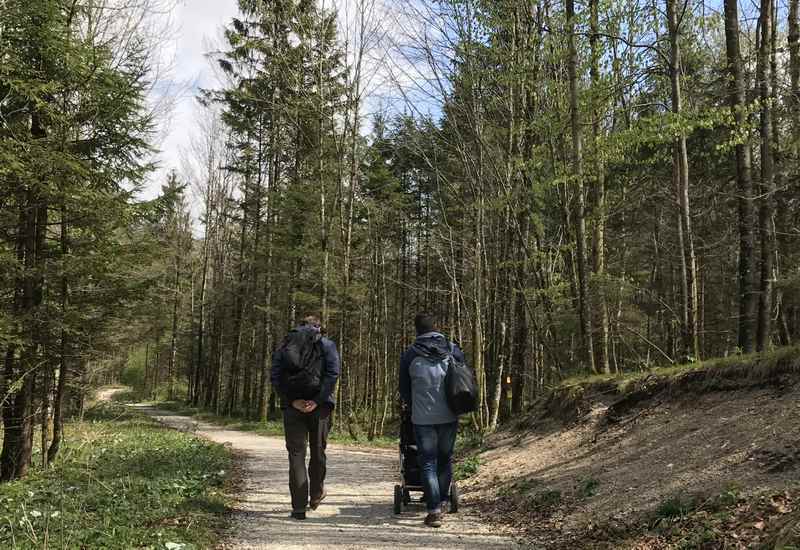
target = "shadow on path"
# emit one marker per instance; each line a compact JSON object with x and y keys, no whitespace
{"x":356,"y":514}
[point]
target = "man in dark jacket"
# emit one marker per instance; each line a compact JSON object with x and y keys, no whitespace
{"x":423,"y":367}
{"x":306,"y":419}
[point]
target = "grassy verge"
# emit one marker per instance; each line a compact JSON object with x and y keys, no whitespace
{"x":570,"y":397}
{"x":270,"y":428}
{"x":756,"y":367}
{"x":121,"y":481}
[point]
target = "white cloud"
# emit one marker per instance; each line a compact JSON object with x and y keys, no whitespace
{"x":198,"y":25}
{"x":390,"y":77}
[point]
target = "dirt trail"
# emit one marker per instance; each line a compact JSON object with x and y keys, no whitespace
{"x":356,"y":514}
{"x":693,"y":444}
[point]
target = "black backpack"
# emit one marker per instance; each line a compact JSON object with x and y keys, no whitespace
{"x":301,"y":376}
{"x":460,"y":387}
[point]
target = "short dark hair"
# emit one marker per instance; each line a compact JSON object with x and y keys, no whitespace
{"x":424,"y":323}
{"x":311,"y":320}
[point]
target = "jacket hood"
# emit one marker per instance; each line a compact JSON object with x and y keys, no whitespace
{"x":311,"y":329}
{"x":432,"y":344}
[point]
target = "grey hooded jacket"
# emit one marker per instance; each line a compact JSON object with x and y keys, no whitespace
{"x":422,"y":373}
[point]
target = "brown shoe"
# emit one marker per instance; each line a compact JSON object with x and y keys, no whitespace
{"x":433,"y":520}
{"x":314,"y":504}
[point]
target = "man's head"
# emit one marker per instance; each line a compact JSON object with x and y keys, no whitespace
{"x":310,"y":321}
{"x":423,"y":323}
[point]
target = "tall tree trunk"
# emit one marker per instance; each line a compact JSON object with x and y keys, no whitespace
{"x":174,"y":336}
{"x":190,"y":389}
{"x":794,"y":73}
{"x":20,"y":371}
{"x":738,"y":102}
{"x":200,"y":366}
{"x":477,"y":327}
{"x":691,"y":341}
{"x":599,"y":193}
{"x":767,"y":209}
{"x":584,"y":305}
{"x":232,"y":397}
{"x":44,"y":420}
{"x":58,"y":405}
{"x":501,"y":366}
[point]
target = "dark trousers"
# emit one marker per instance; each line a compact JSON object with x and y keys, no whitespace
{"x":435,"y":445}
{"x":304,"y":430}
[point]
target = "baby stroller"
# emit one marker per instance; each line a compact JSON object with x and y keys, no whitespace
{"x":410,"y":479}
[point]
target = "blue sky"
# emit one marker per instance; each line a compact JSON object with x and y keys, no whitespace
{"x":197,"y":27}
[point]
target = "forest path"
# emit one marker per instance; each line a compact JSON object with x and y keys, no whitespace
{"x":357,"y":512}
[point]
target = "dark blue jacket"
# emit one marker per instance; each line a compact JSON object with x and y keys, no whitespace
{"x":330,"y":371}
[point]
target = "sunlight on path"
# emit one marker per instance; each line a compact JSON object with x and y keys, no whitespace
{"x":356,"y":514}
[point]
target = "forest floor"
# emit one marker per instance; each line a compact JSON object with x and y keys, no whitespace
{"x":713,"y":468}
{"x":357,"y":512}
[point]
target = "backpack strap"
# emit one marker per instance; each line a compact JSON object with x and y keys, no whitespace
{"x":451,"y":359}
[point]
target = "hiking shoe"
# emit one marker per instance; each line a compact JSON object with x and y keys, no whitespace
{"x":314,"y":504}
{"x":299,"y":515}
{"x":433,"y":519}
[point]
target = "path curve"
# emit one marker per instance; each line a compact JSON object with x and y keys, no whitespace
{"x":356,"y":514}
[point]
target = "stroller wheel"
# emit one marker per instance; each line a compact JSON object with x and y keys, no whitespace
{"x":453,"y":497}
{"x":398,"y":499}
{"x":406,"y":497}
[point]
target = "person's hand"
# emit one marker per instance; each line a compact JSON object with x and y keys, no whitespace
{"x":310,"y":406}
{"x":300,"y":405}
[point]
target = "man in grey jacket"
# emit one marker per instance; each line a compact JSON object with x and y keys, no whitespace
{"x":423,"y":367}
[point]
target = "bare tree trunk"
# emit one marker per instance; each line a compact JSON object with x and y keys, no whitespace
{"x":58,"y":405}
{"x":174,"y":335}
{"x":501,"y":365}
{"x":522,"y":336}
{"x":156,"y":368}
{"x":691,"y":341}
{"x":599,"y":195}
{"x":44,"y":420}
{"x":794,"y":73}
{"x":738,"y":102}
{"x":232,"y":397}
{"x":266,"y":335}
{"x":584,"y":305}
{"x":147,"y":369}
{"x":17,"y":422}
{"x":190,"y":389}
{"x":767,"y":209}
{"x":201,"y":367}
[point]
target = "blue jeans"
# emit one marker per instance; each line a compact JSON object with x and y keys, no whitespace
{"x":435,"y":445}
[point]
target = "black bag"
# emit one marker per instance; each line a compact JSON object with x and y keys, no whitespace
{"x":460,"y":387}
{"x":301,"y":376}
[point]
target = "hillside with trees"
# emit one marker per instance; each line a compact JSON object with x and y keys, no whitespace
{"x":571,"y":188}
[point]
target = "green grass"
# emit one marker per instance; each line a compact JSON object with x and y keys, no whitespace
{"x":588,"y":487}
{"x":272,"y":428}
{"x":467,"y":467}
{"x":127,"y":395}
{"x":676,"y":506}
{"x":544,"y":500}
{"x":469,"y":440}
{"x":121,"y":481}
{"x":520,"y":488}
{"x":699,"y":376}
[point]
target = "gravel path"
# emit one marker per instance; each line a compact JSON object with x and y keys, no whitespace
{"x":356,"y":514}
